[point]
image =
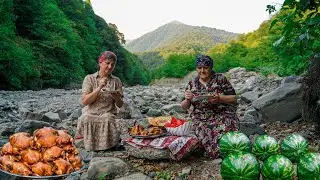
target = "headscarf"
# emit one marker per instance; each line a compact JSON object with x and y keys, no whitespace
{"x":107,"y":55}
{"x":204,"y":60}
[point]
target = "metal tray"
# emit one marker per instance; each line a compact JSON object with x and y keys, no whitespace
{"x":149,"y":137}
{"x":62,"y":176}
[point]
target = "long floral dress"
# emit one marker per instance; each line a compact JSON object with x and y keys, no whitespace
{"x":211,"y":120}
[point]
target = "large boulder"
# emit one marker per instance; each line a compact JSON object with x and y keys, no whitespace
{"x":284,"y":104}
{"x":106,"y":168}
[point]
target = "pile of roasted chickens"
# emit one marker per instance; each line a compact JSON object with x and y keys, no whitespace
{"x":150,"y":131}
{"x":47,"y":152}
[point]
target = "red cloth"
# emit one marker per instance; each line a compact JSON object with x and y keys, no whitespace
{"x":179,"y":146}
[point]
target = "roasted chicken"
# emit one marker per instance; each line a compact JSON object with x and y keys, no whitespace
{"x":136,"y":130}
{"x":30,"y":156}
{"x":45,"y":141}
{"x":52,"y":153}
{"x":42,"y":169}
{"x":62,"y":166}
{"x":71,"y":148}
{"x":20,"y":168}
{"x":6,"y":162}
{"x":20,"y":141}
{"x":48,"y":152}
{"x":45,"y":131}
{"x":64,"y":137}
{"x":75,"y":161}
{"x":7,"y":148}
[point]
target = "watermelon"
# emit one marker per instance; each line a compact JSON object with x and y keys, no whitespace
{"x":293,"y":146}
{"x":240,"y":166}
{"x":308,"y":166}
{"x":277,"y":167}
{"x":265,"y":146}
{"x":232,"y":142}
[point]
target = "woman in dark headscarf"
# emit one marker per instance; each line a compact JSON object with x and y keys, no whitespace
{"x":216,"y":114}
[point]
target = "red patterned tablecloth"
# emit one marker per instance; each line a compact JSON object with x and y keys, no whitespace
{"x":179,"y":146}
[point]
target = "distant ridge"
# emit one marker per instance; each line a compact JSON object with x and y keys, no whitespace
{"x":176,"y":37}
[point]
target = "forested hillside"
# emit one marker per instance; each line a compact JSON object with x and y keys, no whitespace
{"x":57,"y":42}
{"x":176,"y":37}
{"x":264,"y":50}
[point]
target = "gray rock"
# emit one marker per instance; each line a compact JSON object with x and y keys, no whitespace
{"x":251,"y":128}
{"x":31,"y":125}
{"x":106,"y":167}
{"x":249,"y":97}
{"x":283,"y":104}
{"x":251,"y":115}
{"x":153,"y":112}
{"x":135,"y":176}
{"x":7,"y":129}
{"x":51,"y":117}
{"x":75,"y":114}
{"x":175,"y":107}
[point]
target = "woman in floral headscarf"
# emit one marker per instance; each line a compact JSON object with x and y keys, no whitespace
{"x":215,"y":114}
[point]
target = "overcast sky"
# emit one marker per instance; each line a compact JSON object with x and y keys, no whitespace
{"x":137,"y":17}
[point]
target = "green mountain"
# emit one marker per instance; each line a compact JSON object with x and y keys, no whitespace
{"x":176,"y":37}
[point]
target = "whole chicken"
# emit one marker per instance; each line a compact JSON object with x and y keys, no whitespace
{"x":71,"y":148}
{"x":46,"y":141}
{"x":30,"y":156}
{"x":62,"y":166}
{"x":64,"y":137}
{"x":20,"y":141}
{"x":7,"y":148}
{"x":45,"y":137}
{"x":52,"y":153}
{"x":20,"y":168}
{"x":42,"y":169}
{"x":75,"y":161}
{"x":45,"y":131}
{"x":6,"y":162}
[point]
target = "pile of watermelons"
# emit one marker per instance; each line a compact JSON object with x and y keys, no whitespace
{"x":267,"y":158}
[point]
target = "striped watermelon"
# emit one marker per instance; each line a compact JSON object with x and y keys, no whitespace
{"x":265,"y":146}
{"x":240,"y":166}
{"x":309,"y":166}
{"x":277,"y":167}
{"x":293,"y":146}
{"x":232,"y":142}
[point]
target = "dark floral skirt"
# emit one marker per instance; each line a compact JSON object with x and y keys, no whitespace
{"x":210,"y":131}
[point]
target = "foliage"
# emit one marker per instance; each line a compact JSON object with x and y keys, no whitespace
{"x":301,"y":29}
{"x":179,"y":38}
{"x":54,"y":43}
{"x":177,"y":65}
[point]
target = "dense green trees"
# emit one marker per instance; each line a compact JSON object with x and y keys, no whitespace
{"x":56,"y":42}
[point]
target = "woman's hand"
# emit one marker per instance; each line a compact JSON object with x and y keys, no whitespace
{"x":188,"y":95}
{"x":117,"y":96}
{"x":215,"y":98}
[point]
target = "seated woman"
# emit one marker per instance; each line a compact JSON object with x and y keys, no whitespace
{"x":101,"y":93}
{"x":216,"y":114}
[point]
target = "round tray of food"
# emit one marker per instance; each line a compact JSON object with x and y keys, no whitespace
{"x":46,"y":154}
{"x":43,"y":177}
{"x":138,"y":131}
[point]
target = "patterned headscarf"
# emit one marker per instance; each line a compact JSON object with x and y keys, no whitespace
{"x":204,"y":60}
{"x":107,"y":55}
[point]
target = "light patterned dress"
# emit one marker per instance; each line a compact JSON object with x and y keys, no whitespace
{"x":97,"y":124}
{"x":211,"y":120}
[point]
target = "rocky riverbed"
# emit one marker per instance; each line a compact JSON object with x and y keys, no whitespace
{"x":58,"y":108}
